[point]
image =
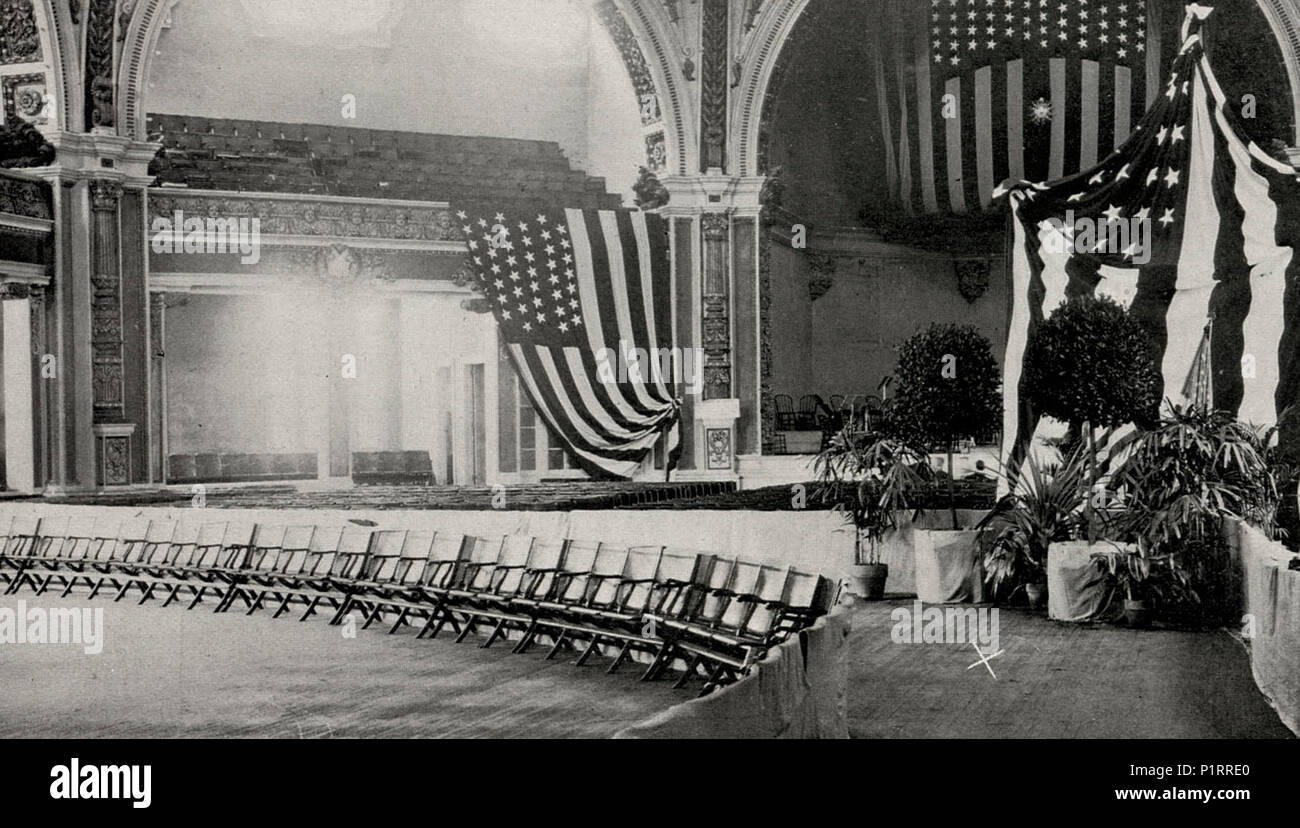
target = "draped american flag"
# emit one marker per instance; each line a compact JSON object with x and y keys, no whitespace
{"x":971,"y":92}
{"x":1189,"y":224}
{"x":573,"y":291}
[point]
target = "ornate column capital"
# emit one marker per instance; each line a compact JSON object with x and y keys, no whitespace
{"x":15,"y":290}
{"x":105,"y":194}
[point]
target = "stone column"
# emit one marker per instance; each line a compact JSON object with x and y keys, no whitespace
{"x":106,"y":303}
{"x":157,"y":387}
{"x":19,"y":400}
{"x":716,"y":312}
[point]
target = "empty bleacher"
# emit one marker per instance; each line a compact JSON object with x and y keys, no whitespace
{"x":312,"y":159}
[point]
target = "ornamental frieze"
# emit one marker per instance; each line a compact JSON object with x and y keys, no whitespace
{"x":29,"y":199}
{"x":279,"y":217}
{"x":19,"y":40}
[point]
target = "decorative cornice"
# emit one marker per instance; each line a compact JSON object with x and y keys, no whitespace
{"x":315,"y":217}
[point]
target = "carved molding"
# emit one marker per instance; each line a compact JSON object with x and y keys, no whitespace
{"x":714,"y":68}
{"x":281,"y":217}
{"x":766,"y":405}
{"x":101,"y":20}
{"x":715,"y":300}
{"x":972,"y":277}
{"x":638,"y":70}
{"x":14,"y":290}
{"x":105,"y":195}
{"x":157,"y":315}
{"x":20,"y":40}
{"x":29,"y":199}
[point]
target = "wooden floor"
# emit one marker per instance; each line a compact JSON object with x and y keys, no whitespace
{"x":1054,"y":680}
{"x":170,"y":673}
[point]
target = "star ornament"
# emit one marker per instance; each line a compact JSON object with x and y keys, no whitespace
{"x":1040,"y":111}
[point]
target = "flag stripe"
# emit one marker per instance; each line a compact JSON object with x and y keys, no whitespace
{"x":1089,"y":117}
{"x":952,"y":125}
{"x":1123,"y":104}
{"x":1056,"y":161}
{"x":1016,"y":119}
{"x":984,"y":132}
{"x":925,"y":133}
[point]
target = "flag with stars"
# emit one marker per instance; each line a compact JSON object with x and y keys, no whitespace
{"x":578,"y":295}
{"x":971,"y":92}
{"x":1188,"y":224}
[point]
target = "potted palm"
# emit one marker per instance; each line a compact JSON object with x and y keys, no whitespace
{"x":947,"y":387}
{"x":1013,"y":539}
{"x":1186,"y":478}
{"x":870,"y":478}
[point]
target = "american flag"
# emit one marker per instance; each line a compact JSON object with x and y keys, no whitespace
{"x":971,"y":92}
{"x":1190,"y":222}
{"x":572,"y":292}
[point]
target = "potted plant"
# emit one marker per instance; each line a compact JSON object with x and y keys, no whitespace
{"x":1090,"y":365}
{"x":1130,"y":571}
{"x":870,"y":477}
{"x":947,"y":386}
{"x":1014,"y":537}
{"x":1185,"y":479}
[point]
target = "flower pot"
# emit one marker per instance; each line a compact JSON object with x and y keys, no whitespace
{"x":1037,"y":594}
{"x":949,"y":569}
{"x":1077,"y":588}
{"x":1137,"y":614}
{"x":869,"y":581}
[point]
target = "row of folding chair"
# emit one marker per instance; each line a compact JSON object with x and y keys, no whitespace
{"x":714,"y":615}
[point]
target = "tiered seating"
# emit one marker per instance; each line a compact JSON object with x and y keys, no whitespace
{"x":714,"y":617}
{"x":231,"y":154}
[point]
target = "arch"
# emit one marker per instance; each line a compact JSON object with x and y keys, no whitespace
{"x":644,"y":19}
{"x":777,"y":22}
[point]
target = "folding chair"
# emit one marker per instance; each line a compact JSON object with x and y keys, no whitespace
{"x":195,"y":554}
{"x":63,"y":554}
{"x":42,"y":554}
{"x":567,"y":588}
{"x":399,"y":591}
{"x":117,"y":561}
{"x":742,"y":637}
{"x":307,"y":576}
{"x":270,"y":564}
{"x":619,"y":604}
{"x":265,"y":548}
{"x":786,"y":419}
{"x":151,"y":558}
{"x":20,"y":542}
{"x":514,"y":581}
{"x":348,"y":562}
{"x":372,"y":577}
{"x":443,"y":570}
{"x":486,"y":558}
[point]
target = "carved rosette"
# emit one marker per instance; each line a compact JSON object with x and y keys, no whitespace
{"x":14,"y":290}
{"x":716,"y":321}
{"x":714,"y":70}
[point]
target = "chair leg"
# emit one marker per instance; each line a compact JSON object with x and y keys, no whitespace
{"x":559,"y":642}
{"x":171,"y":596}
{"x":284,"y":605}
{"x":121,"y":593}
{"x":199,"y":592}
{"x":497,"y":632}
{"x":591,"y":648}
{"x":618,"y":660}
{"x":311,"y":608}
{"x":401,"y":620}
{"x":469,"y":628}
{"x":688,"y":673}
{"x":661,"y":658}
{"x":526,"y":641}
{"x":375,"y":613}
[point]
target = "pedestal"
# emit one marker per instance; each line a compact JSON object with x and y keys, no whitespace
{"x":715,"y":435}
{"x":113,"y":453}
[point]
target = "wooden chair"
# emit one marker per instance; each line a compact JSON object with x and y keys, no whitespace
{"x":786,"y":418}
